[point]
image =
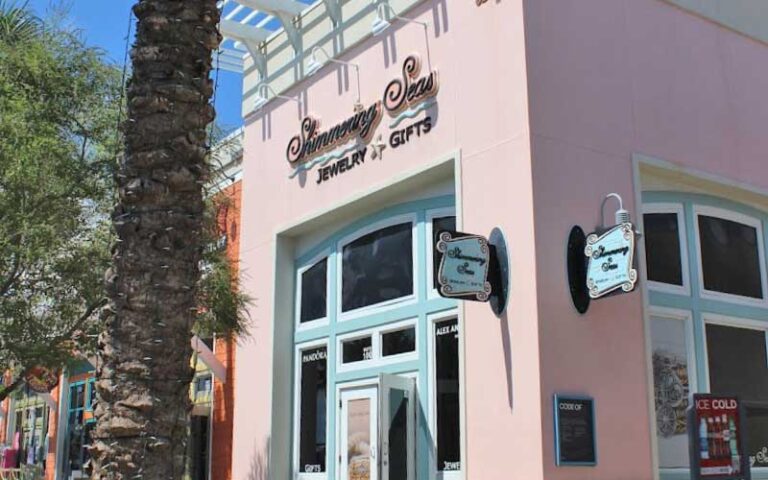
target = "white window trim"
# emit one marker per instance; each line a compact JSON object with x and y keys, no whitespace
{"x":388,"y":304}
{"x":432,"y":321}
{"x":686,"y":317}
{"x":320,"y":322}
{"x":676,"y":208}
{"x":377,"y":359}
{"x":745,"y":220}
{"x":431,"y":215}
{"x":299,"y":348}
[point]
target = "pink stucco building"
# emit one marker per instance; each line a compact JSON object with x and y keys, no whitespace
{"x":517,"y":115}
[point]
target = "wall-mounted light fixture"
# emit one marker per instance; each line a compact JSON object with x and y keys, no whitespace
{"x":314,"y":65}
{"x":262,"y":100}
{"x":380,"y":23}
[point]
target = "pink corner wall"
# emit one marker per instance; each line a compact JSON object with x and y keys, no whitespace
{"x":608,"y":79}
{"x":482,"y":113}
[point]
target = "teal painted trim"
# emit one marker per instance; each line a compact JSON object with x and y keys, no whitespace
{"x":89,"y":389}
{"x":410,"y":309}
{"x":418,"y":307}
{"x":694,"y":303}
{"x":79,"y":367}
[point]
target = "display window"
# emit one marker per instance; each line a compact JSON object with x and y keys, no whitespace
{"x":366,"y":372}
{"x":666,"y":247}
{"x":713,"y":336}
{"x":447,"y":398}
{"x":28,"y":428}
{"x":311,"y":433}
{"x":731,"y":255}
{"x":731,"y":344}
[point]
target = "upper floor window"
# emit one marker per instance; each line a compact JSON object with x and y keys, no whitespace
{"x":377,"y":267}
{"x":314,"y":292}
{"x":662,"y":247}
{"x":730,"y":252}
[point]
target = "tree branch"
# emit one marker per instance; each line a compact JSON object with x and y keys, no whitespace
{"x":5,"y":392}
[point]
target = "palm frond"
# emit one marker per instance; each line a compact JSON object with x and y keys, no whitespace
{"x":17,"y":22}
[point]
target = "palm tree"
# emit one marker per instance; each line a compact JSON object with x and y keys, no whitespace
{"x":144,"y":355}
{"x":17,"y":23}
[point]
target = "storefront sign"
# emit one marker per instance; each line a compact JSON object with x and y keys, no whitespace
{"x":400,"y":137}
{"x":310,"y":143}
{"x":716,"y":438}
{"x":464,"y":266}
{"x":342,"y":147}
{"x":343,"y":165}
{"x":611,"y":257}
{"x":410,"y":90}
{"x":575,"y":442}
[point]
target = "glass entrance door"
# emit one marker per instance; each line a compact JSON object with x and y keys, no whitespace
{"x":397,"y":398}
{"x":377,"y":430}
{"x":358,"y":432}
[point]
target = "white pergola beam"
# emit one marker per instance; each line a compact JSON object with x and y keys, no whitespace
{"x":244,"y":33}
{"x":334,"y":11}
{"x":285,"y":7}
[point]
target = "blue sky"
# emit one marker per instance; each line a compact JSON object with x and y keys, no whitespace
{"x":104,"y":24}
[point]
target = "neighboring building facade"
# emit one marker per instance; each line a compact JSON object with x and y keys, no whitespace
{"x":49,"y":433}
{"x":513,"y":115}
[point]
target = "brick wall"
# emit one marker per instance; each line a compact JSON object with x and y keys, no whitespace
{"x":224,"y":392}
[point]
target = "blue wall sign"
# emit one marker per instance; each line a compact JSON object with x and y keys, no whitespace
{"x":611,"y":260}
{"x":464,"y":266}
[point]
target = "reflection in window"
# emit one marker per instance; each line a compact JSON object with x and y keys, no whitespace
{"x":447,"y":395}
{"x":399,"y":341}
{"x":662,"y":248}
{"x":312,"y":420}
{"x":313,"y":291}
{"x":377,"y":267}
{"x":357,"y":350}
{"x":729,"y":257}
{"x":738,"y":365}
{"x":439,"y":225}
{"x":671,"y":388}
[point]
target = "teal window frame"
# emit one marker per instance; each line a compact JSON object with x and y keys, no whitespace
{"x":701,"y":307}
{"x":419,"y":308}
{"x":89,"y":399}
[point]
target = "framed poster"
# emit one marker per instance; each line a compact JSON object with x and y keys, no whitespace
{"x":575,"y":441}
{"x":716,"y":438}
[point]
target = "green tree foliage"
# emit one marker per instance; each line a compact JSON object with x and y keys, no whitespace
{"x":59,"y":104}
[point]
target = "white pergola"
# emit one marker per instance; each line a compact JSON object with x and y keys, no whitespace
{"x":246,"y":24}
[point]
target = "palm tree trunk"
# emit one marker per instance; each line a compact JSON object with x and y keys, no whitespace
{"x":143,"y":371}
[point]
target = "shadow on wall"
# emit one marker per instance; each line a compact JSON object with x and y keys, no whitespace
{"x":260,"y":463}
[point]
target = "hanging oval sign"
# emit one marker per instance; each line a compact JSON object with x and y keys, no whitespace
{"x":611,"y":260}
{"x":464,"y":266}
